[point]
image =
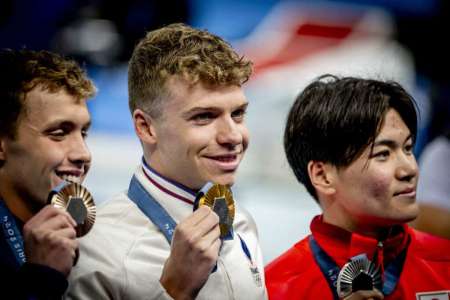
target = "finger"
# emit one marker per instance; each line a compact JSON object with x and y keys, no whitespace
{"x":211,"y":238}
{"x":197,"y":216}
{"x":56,"y":222}
{"x":47,"y":213}
{"x":68,"y":233}
{"x":207,"y":224}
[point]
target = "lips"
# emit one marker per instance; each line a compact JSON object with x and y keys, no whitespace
{"x":406,"y":192}
{"x":225,"y":162}
{"x":70,"y":175}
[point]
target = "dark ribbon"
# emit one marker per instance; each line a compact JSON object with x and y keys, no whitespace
{"x":12,"y":234}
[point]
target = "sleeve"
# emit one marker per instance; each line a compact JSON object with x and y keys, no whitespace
{"x":99,"y":273}
{"x":33,"y":281}
{"x":103,"y":272}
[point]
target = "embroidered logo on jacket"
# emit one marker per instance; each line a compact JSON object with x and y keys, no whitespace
{"x":437,"y":295}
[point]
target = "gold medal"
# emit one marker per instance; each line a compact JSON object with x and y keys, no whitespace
{"x":358,"y":274}
{"x":79,"y":203}
{"x":220,"y":199}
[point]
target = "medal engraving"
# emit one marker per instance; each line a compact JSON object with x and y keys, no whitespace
{"x":76,"y":208}
{"x":79,"y":203}
{"x":358,"y":274}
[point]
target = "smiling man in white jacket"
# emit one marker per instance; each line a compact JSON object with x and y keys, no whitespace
{"x":188,"y":109}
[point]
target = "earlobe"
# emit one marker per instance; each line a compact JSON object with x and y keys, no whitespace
{"x":144,"y":127}
{"x":322,"y":177}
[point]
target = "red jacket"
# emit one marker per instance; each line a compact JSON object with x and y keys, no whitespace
{"x":296,"y":275}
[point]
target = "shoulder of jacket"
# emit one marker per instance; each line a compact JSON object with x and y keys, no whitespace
{"x":430,"y":247}
{"x":296,"y":261}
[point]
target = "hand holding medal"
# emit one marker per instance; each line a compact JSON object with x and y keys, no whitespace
{"x":220,"y":199}
{"x":78,"y":202}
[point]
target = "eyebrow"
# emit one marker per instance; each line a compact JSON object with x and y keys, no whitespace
{"x":200,"y":109}
{"x":63,"y":122}
{"x":389,"y":143}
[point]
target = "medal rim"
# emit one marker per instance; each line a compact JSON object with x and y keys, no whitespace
{"x":72,"y":189}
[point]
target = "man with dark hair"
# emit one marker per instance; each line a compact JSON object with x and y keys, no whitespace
{"x":188,"y":109}
{"x":43,"y":124}
{"x":350,"y":142}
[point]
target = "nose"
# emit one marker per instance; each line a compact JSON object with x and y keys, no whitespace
{"x":408,"y":168}
{"x":228,"y":133}
{"x":79,"y":153}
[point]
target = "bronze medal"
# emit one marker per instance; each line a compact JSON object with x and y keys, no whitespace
{"x":79,"y":203}
{"x":220,"y":199}
{"x":358,"y":274}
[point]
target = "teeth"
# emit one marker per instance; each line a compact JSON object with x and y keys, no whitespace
{"x":226,"y":159}
{"x":71,"y":178}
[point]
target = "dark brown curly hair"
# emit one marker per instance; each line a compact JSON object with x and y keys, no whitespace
{"x":23,"y":70}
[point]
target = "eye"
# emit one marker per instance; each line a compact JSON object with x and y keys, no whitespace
{"x":203,"y":118}
{"x":57,"y":134}
{"x":381,"y":155}
{"x":409,"y":148}
{"x":85,"y":133}
{"x":239,"y":114}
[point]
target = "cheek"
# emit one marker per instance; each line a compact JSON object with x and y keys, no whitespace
{"x":379,"y":186}
{"x":52,"y":155}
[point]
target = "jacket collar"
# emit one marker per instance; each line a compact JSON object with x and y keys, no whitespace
{"x":341,"y":244}
{"x":168,"y":186}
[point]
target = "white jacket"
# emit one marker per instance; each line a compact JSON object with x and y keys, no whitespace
{"x":124,"y":254}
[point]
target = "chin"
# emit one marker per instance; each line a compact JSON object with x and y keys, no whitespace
{"x":224,"y":180}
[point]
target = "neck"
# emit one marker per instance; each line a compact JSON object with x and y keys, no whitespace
{"x":19,"y":208}
{"x":351,"y":225}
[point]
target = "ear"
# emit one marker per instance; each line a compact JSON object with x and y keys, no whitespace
{"x":2,"y":149}
{"x":322,"y":177}
{"x":144,"y":127}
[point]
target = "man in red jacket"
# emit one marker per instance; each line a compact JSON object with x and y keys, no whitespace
{"x":350,"y":142}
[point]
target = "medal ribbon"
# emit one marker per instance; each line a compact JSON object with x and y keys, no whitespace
{"x":151,"y":208}
{"x":331,"y":270}
{"x":12,"y":234}
{"x":245,"y":249}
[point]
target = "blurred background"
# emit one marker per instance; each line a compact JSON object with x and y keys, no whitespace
{"x":290,"y":43}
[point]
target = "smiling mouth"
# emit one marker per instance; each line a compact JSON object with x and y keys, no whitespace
{"x":69,"y":177}
{"x":227,"y":162}
{"x":224,"y":158}
{"x":409,"y":193}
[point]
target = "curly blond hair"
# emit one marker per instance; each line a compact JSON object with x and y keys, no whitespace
{"x":23,"y":70}
{"x":177,"y":49}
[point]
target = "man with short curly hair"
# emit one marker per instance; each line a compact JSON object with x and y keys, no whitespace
{"x":43,"y":124}
{"x":188,"y":109}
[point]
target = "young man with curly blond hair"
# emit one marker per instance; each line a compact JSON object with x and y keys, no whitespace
{"x":188,"y":109}
{"x":43,"y":124}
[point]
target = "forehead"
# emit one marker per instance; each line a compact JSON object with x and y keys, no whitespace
{"x":184,"y":95}
{"x":40,"y":105}
{"x":393,"y":126}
